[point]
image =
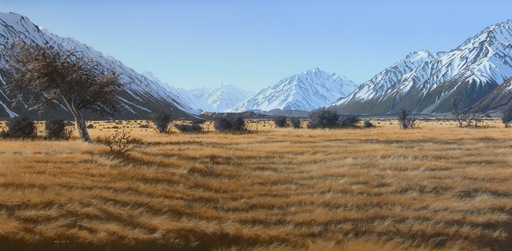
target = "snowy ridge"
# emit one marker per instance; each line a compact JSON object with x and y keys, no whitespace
{"x":221,"y":98}
{"x":426,"y":82}
{"x":141,"y":94}
{"x":307,"y":91}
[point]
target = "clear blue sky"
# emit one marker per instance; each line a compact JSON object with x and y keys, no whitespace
{"x":254,"y":44}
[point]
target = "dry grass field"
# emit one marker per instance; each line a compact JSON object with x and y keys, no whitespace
{"x":436,"y":187}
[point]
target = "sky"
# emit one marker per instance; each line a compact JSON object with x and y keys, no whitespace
{"x":254,"y":44}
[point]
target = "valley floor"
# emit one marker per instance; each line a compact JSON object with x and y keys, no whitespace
{"x":436,"y":187}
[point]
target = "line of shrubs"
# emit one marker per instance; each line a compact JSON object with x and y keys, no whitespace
{"x":24,"y":127}
{"x":330,"y":119}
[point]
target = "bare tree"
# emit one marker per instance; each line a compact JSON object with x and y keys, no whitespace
{"x":45,"y":77}
{"x":466,"y":117}
{"x":462,"y":115}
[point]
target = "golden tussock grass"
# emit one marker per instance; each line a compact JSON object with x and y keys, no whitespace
{"x":437,"y":187}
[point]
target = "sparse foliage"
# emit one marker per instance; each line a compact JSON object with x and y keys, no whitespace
{"x":323,"y":119}
{"x":162,"y":121}
{"x":461,"y":115}
{"x":465,"y":117}
{"x":118,"y":142}
{"x":280,"y":121}
{"x":47,"y":77}
{"x":56,"y":129}
{"x":20,"y":127}
{"x":405,"y":120}
{"x":209,"y":164}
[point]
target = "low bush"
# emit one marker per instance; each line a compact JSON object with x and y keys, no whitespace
{"x":119,"y":141}
{"x":56,"y":129}
{"x":507,"y":116}
{"x":239,"y":124}
{"x":348,"y":121}
{"x":20,"y":127}
{"x":225,"y":124}
{"x":189,"y":128}
{"x":405,"y":120}
{"x":294,"y":122}
{"x":368,"y":124}
{"x":323,"y":119}
{"x":162,"y":121}
{"x":280,"y":121}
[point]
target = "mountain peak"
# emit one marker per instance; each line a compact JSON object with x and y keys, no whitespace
{"x":306,"y":91}
{"x":420,"y":54}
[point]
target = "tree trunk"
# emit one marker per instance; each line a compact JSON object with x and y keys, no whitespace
{"x":82,"y":127}
{"x":80,"y":122}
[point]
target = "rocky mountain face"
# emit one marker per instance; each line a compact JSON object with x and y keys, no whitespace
{"x":306,"y":91}
{"x":426,"y":82}
{"x":140,"y":98}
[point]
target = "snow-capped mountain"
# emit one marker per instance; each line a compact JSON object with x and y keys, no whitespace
{"x":140,"y":97}
{"x":425,"y":82}
{"x":306,"y":91}
{"x":221,"y":98}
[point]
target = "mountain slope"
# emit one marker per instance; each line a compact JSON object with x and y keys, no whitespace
{"x":307,"y":91}
{"x":429,"y":83}
{"x":141,"y":96}
{"x":499,"y":98}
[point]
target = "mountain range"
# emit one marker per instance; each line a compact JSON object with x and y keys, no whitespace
{"x":425,"y":82}
{"x":221,"y":98}
{"x":477,"y":73}
{"x":140,"y":97}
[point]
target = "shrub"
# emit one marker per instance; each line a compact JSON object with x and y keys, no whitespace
{"x":280,"y":121}
{"x":225,"y":124}
{"x":507,"y":116}
{"x":56,"y":129}
{"x":118,"y":142}
{"x":239,"y":124}
{"x":162,"y":121}
{"x":348,"y":121}
{"x":405,"y":120}
{"x":368,"y":124}
{"x":21,"y":127}
{"x":466,"y":117}
{"x":186,"y":128}
{"x":222,"y":124}
{"x":90,"y":126}
{"x":323,"y":119}
{"x":294,"y":122}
